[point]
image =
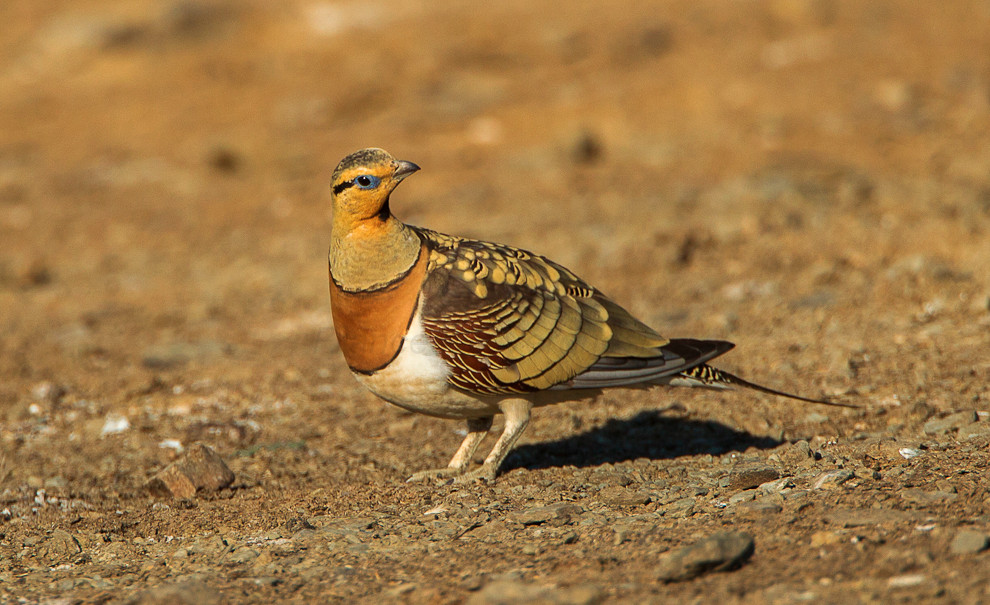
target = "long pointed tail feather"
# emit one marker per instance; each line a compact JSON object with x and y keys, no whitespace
{"x":704,"y":375}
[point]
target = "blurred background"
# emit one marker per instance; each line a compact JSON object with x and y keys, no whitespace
{"x":808,"y":178}
{"x":817,"y":171}
{"x":163,"y":165}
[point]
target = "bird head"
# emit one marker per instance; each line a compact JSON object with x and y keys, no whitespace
{"x":362,"y":182}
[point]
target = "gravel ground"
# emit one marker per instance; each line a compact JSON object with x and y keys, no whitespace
{"x":807,"y":178}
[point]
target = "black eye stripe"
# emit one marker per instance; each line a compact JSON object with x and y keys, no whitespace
{"x":362,"y":181}
{"x":341,"y":186}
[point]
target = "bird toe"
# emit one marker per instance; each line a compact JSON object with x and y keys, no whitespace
{"x":434,"y":474}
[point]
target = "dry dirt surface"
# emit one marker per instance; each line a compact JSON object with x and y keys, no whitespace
{"x":807,"y":178}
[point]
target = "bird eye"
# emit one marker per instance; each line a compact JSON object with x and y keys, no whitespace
{"x":367,"y":181}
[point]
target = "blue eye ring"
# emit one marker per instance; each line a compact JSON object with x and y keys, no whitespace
{"x":367,"y":181}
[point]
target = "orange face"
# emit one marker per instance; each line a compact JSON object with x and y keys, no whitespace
{"x":362,"y":182}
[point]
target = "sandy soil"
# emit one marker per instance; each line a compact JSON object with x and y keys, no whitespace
{"x":807,"y":178}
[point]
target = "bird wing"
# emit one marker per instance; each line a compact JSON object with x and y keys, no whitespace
{"x":678,"y":357}
{"x":509,"y":321}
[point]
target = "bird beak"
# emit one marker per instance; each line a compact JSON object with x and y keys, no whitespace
{"x":404,"y":169}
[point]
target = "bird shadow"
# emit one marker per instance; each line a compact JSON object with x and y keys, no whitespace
{"x":648,"y":434}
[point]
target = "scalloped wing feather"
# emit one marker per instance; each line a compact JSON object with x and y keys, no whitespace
{"x":509,"y":321}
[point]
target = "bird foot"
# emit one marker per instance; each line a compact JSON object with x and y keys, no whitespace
{"x":483,"y":473}
{"x":433,"y":474}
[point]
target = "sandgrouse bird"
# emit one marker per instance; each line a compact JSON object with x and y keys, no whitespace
{"x":459,"y":328}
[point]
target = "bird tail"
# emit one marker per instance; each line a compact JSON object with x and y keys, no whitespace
{"x":704,"y":375}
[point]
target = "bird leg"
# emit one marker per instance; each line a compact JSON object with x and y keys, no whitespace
{"x":516,"y":413}
{"x":477,"y":430}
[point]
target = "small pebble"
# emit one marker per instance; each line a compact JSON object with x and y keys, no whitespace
{"x":952,"y":422}
{"x":554,"y":514}
{"x":753,"y":476}
{"x":974,"y":430}
{"x":243,"y":555}
{"x":200,"y":468}
{"x":744,"y":496}
{"x":721,"y":551}
{"x":909,"y":452}
{"x":967,"y":542}
{"x":777,"y":486}
{"x":763,"y":506}
{"x":907,"y":581}
{"x":681,"y":508}
{"x":620,"y":496}
{"x":113,"y":424}
{"x":60,"y":547}
{"x":833,"y":479}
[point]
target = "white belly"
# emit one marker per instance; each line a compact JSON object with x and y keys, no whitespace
{"x":417,"y":380}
